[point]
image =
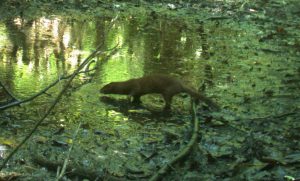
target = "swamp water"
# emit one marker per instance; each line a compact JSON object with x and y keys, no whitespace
{"x":224,"y":56}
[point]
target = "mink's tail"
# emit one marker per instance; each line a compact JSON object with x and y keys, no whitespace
{"x":201,"y":97}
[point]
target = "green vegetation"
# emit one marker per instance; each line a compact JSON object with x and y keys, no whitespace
{"x":243,"y":54}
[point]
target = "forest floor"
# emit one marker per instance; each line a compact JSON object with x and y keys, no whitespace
{"x":264,"y":147}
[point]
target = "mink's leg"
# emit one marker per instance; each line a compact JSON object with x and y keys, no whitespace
{"x":136,"y":99}
{"x":168,"y":101}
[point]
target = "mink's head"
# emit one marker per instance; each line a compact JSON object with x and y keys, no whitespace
{"x":108,"y":88}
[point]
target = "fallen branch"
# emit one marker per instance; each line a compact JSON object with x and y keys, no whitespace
{"x":213,"y":18}
{"x":8,"y":92}
{"x":294,"y":111}
{"x":19,"y":102}
{"x":63,"y":170}
{"x":73,"y":170}
{"x":51,"y":107}
{"x":59,"y":96}
{"x":6,"y":176}
{"x":183,"y":153}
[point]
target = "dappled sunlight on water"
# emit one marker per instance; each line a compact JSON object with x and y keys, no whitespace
{"x":225,"y":61}
{"x":222,"y":59}
{"x":37,"y":52}
{"x":237,"y":54}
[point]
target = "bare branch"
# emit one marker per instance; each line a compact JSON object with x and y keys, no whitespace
{"x":183,"y":153}
{"x":59,"y":96}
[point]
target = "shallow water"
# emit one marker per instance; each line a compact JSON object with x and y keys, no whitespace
{"x":225,"y":58}
{"x":228,"y":60}
{"x":36,"y":52}
{"x":249,"y":74}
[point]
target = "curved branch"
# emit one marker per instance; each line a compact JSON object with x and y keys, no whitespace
{"x":183,"y":153}
{"x":51,"y":107}
{"x":17,"y":102}
{"x":59,"y":96}
{"x":43,"y":91}
{"x":8,"y":92}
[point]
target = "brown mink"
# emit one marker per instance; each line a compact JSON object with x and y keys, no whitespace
{"x":165,"y":85}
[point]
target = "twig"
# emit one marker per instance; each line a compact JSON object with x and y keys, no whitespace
{"x":7,"y":91}
{"x":75,"y":170}
{"x":18,"y":102}
{"x":89,"y":64}
{"x":50,"y":109}
{"x":213,"y":18}
{"x":59,"y":96}
{"x":294,"y":111}
{"x":183,"y":153}
{"x":63,"y":170}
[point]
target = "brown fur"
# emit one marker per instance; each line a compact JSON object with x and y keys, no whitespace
{"x":157,"y":83}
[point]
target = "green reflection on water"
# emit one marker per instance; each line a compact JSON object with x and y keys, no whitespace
{"x":36,"y":52}
{"x":39,"y":51}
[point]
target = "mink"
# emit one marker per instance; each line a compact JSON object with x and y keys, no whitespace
{"x":162,"y":84}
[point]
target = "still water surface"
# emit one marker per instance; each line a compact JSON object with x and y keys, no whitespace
{"x":36,"y":52}
{"x":226,"y":58}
